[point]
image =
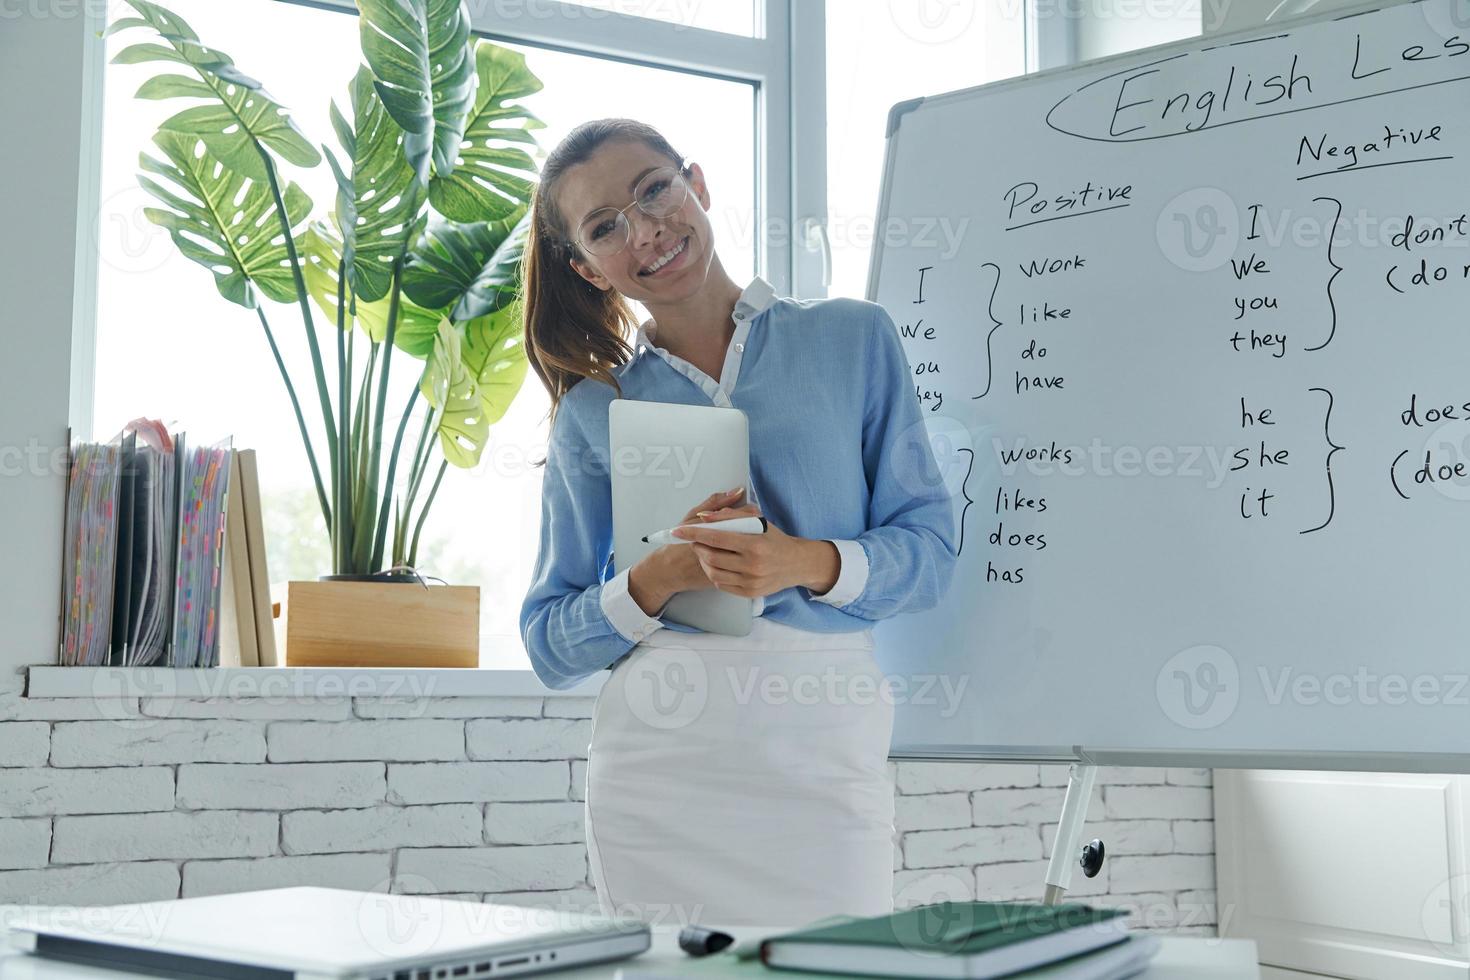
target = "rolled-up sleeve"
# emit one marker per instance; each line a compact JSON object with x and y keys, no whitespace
{"x":573,"y":623}
{"x":905,"y":560}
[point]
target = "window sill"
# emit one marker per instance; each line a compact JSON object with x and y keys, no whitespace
{"x":50,"y":681}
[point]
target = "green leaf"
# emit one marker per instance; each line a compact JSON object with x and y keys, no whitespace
{"x":346,"y":213}
{"x":321,"y":251}
{"x":494,"y":351}
{"x":222,"y":219}
{"x":378,"y":205}
{"x":239,"y":114}
{"x":493,"y":176}
{"x":450,"y":388}
{"x":174,"y":87}
{"x":416,"y":325}
{"x":473,"y":269}
{"x":423,"y":68}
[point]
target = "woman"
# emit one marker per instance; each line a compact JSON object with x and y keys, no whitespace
{"x":730,"y":779}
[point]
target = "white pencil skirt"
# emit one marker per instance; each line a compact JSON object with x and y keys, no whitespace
{"x":743,"y":780}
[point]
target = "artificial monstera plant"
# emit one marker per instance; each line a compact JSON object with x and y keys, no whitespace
{"x":420,"y":254}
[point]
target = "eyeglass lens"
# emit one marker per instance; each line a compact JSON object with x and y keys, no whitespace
{"x":659,"y":194}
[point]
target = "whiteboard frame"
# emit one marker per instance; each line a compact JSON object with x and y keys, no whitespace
{"x":1410,"y":762}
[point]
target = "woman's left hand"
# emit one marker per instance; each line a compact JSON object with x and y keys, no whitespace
{"x":753,"y":565}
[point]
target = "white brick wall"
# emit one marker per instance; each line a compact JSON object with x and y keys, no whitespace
{"x":972,"y":830}
{"x":480,"y":798}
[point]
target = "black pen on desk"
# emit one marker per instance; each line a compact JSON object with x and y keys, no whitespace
{"x":739,"y":525}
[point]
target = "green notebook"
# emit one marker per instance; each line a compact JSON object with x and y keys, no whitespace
{"x":949,"y":939}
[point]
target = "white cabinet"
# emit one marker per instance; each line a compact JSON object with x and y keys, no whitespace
{"x":1359,"y":875}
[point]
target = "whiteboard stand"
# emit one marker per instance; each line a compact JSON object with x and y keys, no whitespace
{"x":1064,"y":851}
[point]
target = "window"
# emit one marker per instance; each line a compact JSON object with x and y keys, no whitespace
{"x":725,"y":16}
{"x":1116,"y":26}
{"x":880,"y":53}
{"x":167,"y":345}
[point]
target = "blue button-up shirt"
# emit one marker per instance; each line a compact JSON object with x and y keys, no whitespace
{"x":839,"y":452}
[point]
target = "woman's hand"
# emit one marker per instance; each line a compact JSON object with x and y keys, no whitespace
{"x":675,"y":568}
{"x":685,"y":570}
{"x":754,"y":565}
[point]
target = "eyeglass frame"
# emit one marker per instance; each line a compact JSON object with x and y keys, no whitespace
{"x":682,"y":171}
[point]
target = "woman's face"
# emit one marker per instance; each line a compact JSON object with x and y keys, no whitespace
{"x":607,"y":179}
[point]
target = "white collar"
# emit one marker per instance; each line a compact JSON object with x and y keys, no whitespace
{"x":754,"y":299}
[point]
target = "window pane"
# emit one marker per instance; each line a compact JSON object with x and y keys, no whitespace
{"x":725,"y":16}
{"x":878,"y":53}
{"x":1116,"y":26}
{"x":169,"y":346}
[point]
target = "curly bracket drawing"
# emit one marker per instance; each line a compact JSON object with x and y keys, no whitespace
{"x":1336,"y":271}
{"x":990,"y":312}
{"x":1327,"y":433}
{"x":965,"y":492}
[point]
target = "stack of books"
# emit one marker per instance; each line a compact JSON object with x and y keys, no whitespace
{"x":164,"y":555}
{"x":969,"y":940}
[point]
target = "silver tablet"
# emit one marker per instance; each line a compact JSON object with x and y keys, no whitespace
{"x":663,"y":459}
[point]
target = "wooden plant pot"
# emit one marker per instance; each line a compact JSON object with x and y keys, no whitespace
{"x":381,"y":624}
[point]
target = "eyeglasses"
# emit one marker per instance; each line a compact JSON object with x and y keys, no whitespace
{"x":660,"y":193}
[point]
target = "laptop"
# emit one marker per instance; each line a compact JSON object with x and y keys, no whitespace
{"x":313,"y":933}
{"x":665,"y":458}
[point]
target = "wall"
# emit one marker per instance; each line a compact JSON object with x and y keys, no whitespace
{"x":107,"y":800}
{"x":49,"y":81}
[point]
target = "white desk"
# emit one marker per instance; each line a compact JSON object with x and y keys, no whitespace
{"x":1178,"y":959}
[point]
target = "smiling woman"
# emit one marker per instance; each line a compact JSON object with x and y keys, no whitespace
{"x":710,"y":795}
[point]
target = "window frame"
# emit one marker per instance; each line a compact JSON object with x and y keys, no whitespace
{"x":1052,"y":37}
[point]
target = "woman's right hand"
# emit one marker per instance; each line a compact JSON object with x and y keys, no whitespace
{"x":688,"y":574}
{"x":675,"y":568}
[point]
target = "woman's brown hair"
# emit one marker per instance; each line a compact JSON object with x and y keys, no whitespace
{"x":572,"y":329}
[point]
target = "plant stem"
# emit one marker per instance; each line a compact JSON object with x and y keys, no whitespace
{"x":302,"y":298}
{"x":415,"y":476}
{"x":340,"y":487}
{"x":392,"y":471}
{"x":420,"y":458}
{"x":361,"y":535}
{"x":413,"y":551}
{"x":316,"y":473}
{"x":400,"y":532}
{"x":377,"y":451}
{"x":347,"y":444}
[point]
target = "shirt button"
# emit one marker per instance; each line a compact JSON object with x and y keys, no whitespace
{"x":740,"y":316}
{"x":739,"y":348}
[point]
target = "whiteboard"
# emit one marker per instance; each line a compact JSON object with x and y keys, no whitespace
{"x":1190,"y":330}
